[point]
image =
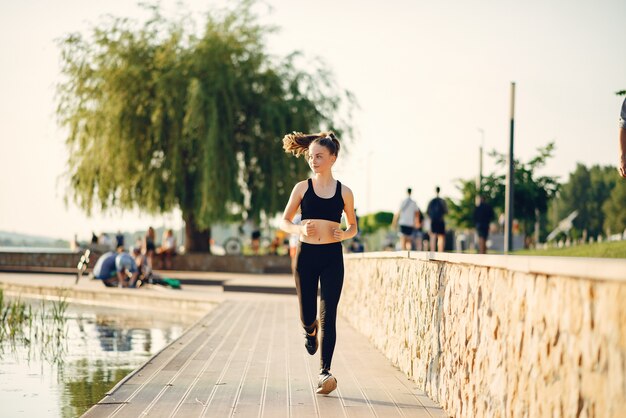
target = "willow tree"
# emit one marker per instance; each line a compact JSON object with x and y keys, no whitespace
{"x":159,"y":117}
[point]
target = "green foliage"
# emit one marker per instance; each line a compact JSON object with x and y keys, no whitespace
{"x":613,"y":207}
{"x":616,"y":249}
{"x":532,"y":192}
{"x":42,"y":331}
{"x":461,"y":214}
{"x":372,"y":222}
{"x":586,"y":191}
{"x":158,"y":117}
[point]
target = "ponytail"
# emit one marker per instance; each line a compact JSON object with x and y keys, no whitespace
{"x":298,"y":143}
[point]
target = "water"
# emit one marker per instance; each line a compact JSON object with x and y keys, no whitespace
{"x":65,"y":378}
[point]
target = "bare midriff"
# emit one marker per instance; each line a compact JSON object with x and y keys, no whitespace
{"x":324,"y":231}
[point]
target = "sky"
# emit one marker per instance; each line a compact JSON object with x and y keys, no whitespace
{"x":432,"y":79}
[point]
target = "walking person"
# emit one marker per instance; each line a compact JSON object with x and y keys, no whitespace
{"x":418,"y":232}
{"x":119,"y":239}
{"x":437,"y":210}
{"x":407,"y":219}
{"x":483,"y":215}
{"x":321,"y":200}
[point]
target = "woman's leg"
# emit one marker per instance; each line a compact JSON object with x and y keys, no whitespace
{"x":331,"y":280}
{"x":306,"y":278}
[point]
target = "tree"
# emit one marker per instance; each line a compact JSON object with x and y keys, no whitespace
{"x":461,"y":213}
{"x":613,"y":207}
{"x":586,"y":191}
{"x":158,"y":117}
{"x":372,"y":222}
{"x":531,"y":194}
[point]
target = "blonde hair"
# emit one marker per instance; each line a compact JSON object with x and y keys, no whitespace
{"x":298,"y":143}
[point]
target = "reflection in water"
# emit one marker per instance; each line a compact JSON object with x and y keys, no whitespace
{"x":101,"y":346}
{"x":112,"y":338}
{"x":85,"y":384}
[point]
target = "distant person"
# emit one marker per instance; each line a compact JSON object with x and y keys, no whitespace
{"x":140,"y":260}
{"x":255,"y":240}
{"x":277,"y":242}
{"x":437,"y":210}
{"x":94,"y":238}
{"x":74,"y":244}
{"x":406,"y":218}
{"x":168,"y":248}
{"x":483,"y":215}
{"x":112,"y":269}
{"x":501,"y":220}
{"x":418,"y":232}
{"x":139,"y":242}
{"x":356,"y":246}
{"x":322,"y":199}
{"x":622,"y":140}
{"x":105,"y":241}
{"x":127,"y":271}
{"x":148,"y":246}
{"x":119,"y":239}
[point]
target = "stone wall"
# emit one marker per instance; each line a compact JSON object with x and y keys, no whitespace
{"x":498,"y":336}
{"x":25,"y":261}
{"x":28,"y":259}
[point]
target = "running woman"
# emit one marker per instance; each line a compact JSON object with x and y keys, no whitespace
{"x":321,"y":200}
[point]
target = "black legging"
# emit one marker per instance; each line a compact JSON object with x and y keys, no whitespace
{"x":323,"y":262}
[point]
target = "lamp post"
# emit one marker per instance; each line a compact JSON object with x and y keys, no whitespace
{"x":508,"y":202}
{"x":479,"y":179}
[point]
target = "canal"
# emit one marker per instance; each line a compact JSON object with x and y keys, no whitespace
{"x":64,"y":357}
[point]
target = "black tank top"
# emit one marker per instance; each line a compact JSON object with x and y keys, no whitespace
{"x":315,"y":207}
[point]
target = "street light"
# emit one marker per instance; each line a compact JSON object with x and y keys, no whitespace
{"x":479,"y":179}
{"x":510,"y":182}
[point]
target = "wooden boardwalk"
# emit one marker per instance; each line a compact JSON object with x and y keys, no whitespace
{"x":247,"y":358}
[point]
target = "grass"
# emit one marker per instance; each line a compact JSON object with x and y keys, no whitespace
{"x":614,"y":249}
{"x":40,"y":329}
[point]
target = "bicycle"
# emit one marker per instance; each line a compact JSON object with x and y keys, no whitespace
{"x":235,"y":245}
{"x":83,"y":265}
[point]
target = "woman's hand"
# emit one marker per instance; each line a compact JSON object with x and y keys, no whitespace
{"x":308,"y":228}
{"x":338,"y":234}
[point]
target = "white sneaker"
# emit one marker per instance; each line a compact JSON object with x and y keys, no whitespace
{"x":327,"y":383}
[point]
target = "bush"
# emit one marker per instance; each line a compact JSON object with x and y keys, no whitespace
{"x":374,"y":221}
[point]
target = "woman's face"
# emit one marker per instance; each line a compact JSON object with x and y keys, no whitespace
{"x":320,"y":159}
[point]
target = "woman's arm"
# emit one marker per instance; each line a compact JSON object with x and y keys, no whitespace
{"x":348,"y":208}
{"x":286,"y":223}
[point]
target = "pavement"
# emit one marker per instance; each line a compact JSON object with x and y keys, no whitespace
{"x":214,"y":366}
